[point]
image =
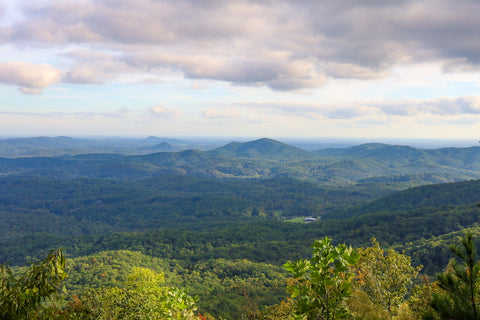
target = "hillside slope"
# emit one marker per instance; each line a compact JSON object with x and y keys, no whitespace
{"x":429,"y":196}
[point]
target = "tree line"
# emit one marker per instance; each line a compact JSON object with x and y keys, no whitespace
{"x":336,"y":282}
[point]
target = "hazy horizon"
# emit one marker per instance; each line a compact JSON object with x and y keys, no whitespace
{"x":307,"y":143}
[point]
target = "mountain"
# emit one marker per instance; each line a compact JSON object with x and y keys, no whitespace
{"x":159,"y":147}
{"x":395,"y":167}
{"x":157,"y":140}
{"x":372,"y":150}
{"x":467,"y":158}
{"x":58,"y":146}
{"x":262,"y":148}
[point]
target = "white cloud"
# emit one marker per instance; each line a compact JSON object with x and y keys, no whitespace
{"x":166,"y":113}
{"x":30,"y":78}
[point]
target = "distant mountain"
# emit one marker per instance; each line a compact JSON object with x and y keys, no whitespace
{"x":406,"y":154}
{"x":162,"y":146}
{"x":59,"y":146}
{"x":159,"y":140}
{"x":262,"y":148}
{"x":373,"y":150}
{"x":60,"y":141}
{"x":394,"y":167}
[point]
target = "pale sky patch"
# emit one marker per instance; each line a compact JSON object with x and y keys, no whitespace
{"x":220,"y":114}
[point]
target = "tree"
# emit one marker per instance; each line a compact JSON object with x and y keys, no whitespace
{"x":385,"y":276}
{"x":281,"y":311}
{"x":22,"y":295}
{"x":322,"y":285}
{"x":143,"y":297}
{"x":460,"y":285}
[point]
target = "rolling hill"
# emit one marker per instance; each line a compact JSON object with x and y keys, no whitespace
{"x":397,"y":167}
{"x":263,"y":149}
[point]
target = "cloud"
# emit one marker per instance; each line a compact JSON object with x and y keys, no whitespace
{"x":81,"y":76}
{"x":96,"y":67}
{"x":198,"y":86}
{"x":348,"y":70}
{"x":166,"y":113}
{"x":223,"y":114}
{"x":452,"y":106}
{"x":84,"y":115}
{"x":30,"y":78}
{"x":284,"y":45}
{"x":366,"y":110}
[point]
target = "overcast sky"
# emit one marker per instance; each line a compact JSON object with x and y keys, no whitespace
{"x":250,"y":68}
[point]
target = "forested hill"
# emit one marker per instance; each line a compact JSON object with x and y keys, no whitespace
{"x":194,"y":218}
{"x":86,"y":206}
{"x":467,"y":158}
{"x":396,"y":167}
{"x":57,"y":146}
{"x":263,"y":148}
{"x":446,"y":195}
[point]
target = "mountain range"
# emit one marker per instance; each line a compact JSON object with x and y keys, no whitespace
{"x":396,"y":166}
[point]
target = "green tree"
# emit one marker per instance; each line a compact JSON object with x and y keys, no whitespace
{"x":281,"y":311}
{"x":460,"y":285}
{"x":143,"y":297}
{"x":386,"y":276}
{"x":23,"y":294}
{"x":322,"y":285}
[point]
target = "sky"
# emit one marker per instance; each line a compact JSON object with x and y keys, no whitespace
{"x":249,"y":68}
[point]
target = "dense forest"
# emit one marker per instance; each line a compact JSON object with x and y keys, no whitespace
{"x":223,"y":230}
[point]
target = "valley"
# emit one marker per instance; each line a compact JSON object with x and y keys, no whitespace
{"x":217,"y":218}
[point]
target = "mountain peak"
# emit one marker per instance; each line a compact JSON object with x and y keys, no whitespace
{"x":263,"y":148}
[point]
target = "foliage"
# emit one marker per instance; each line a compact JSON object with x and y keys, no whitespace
{"x":89,"y":206}
{"x":424,"y":235}
{"x":460,"y":296}
{"x":282,"y":311}
{"x":22,"y":294}
{"x":143,"y":297}
{"x":421,"y":296}
{"x":322,"y":285}
{"x":385,"y":276}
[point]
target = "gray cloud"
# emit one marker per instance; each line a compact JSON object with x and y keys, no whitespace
{"x":437,"y":107}
{"x":460,"y":106}
{"x":457,"y":106}
{"x":94,"y":66}
{"x":285,"y":45}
